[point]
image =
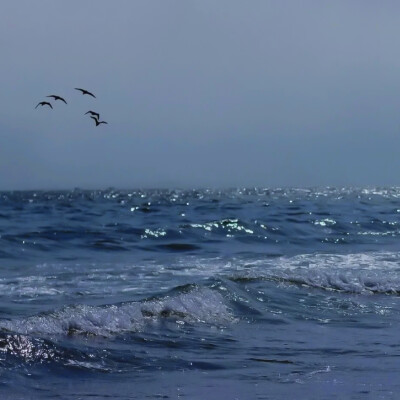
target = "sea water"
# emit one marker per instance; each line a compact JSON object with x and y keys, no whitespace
{"x":200,"y":294}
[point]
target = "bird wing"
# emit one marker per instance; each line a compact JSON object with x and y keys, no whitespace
{"x":45,"y":102}
{"x":95,"y":120}
{"x":55,"y":97}
{"x":38,"y":105}
{"x":93,"y":113}
{"x":90,"y":94}
{"x":82,"y":90}
{"x":103,"y":122}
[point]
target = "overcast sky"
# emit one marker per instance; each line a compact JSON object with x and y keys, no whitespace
{"x":200,"y":93}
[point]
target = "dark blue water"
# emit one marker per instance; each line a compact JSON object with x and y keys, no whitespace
{"x":240,"y":294}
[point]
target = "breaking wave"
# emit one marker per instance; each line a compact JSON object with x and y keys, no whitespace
{"x":197,"y":305}
{"x":364,"y":273}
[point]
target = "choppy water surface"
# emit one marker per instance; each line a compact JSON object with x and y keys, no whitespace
{"x":247,"y":294}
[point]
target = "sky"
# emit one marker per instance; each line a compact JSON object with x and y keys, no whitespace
{"x":200,"y":93}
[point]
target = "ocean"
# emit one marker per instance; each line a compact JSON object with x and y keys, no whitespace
{"x":200,"y":294}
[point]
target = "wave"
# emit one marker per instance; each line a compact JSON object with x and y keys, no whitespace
{"x":197,"y":305}
{"x":255,"y":220}
{"x":364,"y":273}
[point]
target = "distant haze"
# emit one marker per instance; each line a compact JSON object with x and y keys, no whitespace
{"x":200,"y":93}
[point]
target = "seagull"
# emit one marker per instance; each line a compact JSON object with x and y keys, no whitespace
{"x":99,"y":122}
{"x":44,"y":103}
{"x":55,"y":97}
{"x":97,"y":115}
{"x":85,"y":92}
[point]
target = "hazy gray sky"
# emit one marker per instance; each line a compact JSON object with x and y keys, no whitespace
{"x":200,"y":93}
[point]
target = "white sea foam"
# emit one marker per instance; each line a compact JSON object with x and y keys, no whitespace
{"x":200,"y":305}
{"x":356,"y":273}
{"x":374,"y":272}
{"x":366,"y":273}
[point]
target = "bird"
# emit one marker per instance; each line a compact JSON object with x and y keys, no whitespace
{"x":85,"y":92}
{"x":99,"y":122}
{"x":97,"y":115}
{"x":44,"y":103}
{"x":55,"y":97}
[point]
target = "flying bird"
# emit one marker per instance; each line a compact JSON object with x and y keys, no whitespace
{"x":97,"y":115}
{"x":44,"y":103}
{"x":99,"y":122}
{"x":85,"y":92}
{"x":55,"y":97}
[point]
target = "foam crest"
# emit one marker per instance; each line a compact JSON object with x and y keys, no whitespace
{"x":200,"y":305}
{"x":365,"y":273}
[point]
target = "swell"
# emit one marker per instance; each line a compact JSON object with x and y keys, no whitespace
{"x":194,"y":221}
{"x":198,"y":305}
{"x":360,"y":273}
